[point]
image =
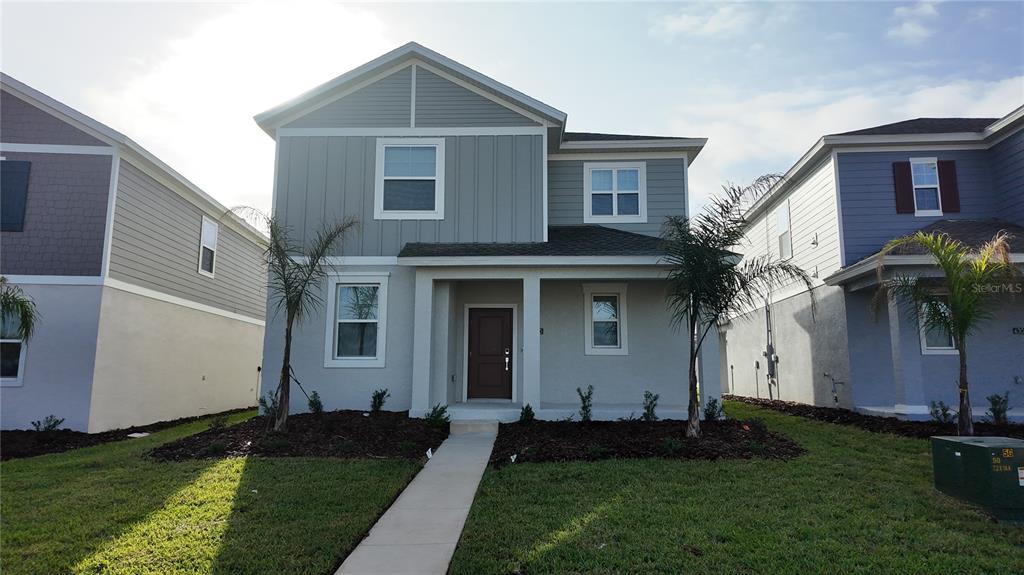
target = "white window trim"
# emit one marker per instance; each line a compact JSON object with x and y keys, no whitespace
{"x":202,"y":240}
{"x":356,"y":278}
{"x":925,"y":348}
{"x":17,"y":381}
{"x":378,"y":192}
{"x":914,"y":186}
{"x":590,"y":218}
{"x":778,"y":231}
{"x":589,"y":291}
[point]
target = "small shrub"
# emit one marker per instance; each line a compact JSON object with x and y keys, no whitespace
{"x":438,"y":416}
{"x":378,"y":398}
{"x":526,"y":414}
{"x":316,"y":407}
{"x":755,"y":427}
{"x":756,"y":447}
{"x":49,"y":423}
{"x":218,"y":423}
{"x":670,"y":446}
{"x":598,"y":452}
{"x":998,"y":405}
{"x":406,"y":446}
{"x":274,"y":442}
{"x":650,"y":403}
{"x":941,"y":412}
{"x":629,"y":418}
{"x":713,"y":410}
{"x":213,"y":449}
{"x":270,"y":406}
{"x":586,"y":403}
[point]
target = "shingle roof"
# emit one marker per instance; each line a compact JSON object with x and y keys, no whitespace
{"x":596,"y":136}
{"x":925,"y":126}
{"x":971,"y":233}
{"x":582,"y":240}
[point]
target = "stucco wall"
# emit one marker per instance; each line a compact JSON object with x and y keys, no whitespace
{"x":57,"y":374}
{"x":157,"y":361}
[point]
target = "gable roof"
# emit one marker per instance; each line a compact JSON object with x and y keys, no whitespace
{"x":596,"y":136}
{"x":131,"y":150}
{"x":925,"y":126}
{"x":329,"y":91}
{"x":582,"y":240}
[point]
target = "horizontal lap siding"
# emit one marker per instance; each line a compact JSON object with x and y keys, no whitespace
{"x":1007,"y":158}
{"x":493,"y":192}
{"x":23,"y":123}
{"x":441,"y":103}
{"x":869,"y":198}
{"x":666,"y":194}
{"x":156,"y":245}
{"x":384,"y":103}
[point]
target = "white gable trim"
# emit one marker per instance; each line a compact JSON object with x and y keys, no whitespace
{"x":399,"y":132}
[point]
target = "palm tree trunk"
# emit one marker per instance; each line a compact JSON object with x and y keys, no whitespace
{"x":693,"y":410}
{"x":284,"y":383}
{"x":965,"y":423}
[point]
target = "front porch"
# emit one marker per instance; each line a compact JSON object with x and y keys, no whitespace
{"x":536,"y":338}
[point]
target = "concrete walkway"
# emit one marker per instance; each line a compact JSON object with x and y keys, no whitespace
{"x":419,"y":532}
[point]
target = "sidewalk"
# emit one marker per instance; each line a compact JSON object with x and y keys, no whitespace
{"x":419,"y":532}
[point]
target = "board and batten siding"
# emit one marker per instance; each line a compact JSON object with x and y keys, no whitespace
{"x":868,"y":196}
{"x":155,"y":245}
{"x":666,"y":193}
{"x":441,"y":103}
{"x":1007,"y":159}
{"x":493,"y":192}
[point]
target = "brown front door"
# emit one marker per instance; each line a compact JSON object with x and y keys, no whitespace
{"x":490,"y":353}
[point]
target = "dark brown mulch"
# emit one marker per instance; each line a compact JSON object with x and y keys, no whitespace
{"x":539,"y":441}
{"x":345,"y":434}
{"x":19,"y":443}
{"x":878,"y":424}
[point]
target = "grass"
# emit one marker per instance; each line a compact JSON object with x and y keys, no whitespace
{"x":858,"y":502}
{"x":107,"y":509}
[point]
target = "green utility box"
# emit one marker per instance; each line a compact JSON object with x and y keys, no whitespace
{"x":987,"y":471}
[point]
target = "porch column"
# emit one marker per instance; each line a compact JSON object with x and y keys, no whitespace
{"x":531,"y":341}
{"x":709,"y":368}
{"x":423,"y":304}
{"x":906,"y":363}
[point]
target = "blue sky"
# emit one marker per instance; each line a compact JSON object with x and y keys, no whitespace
{"x":761,"y":80}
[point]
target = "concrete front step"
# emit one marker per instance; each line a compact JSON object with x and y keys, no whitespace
{"x":473,"y":426}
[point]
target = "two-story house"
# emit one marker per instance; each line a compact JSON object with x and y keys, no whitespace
{"x":500,"y":261}
{"x":840,"y":204}
{"x":150,"y":297}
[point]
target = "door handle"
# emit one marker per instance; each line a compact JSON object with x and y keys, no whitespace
{"x":506,"y":359}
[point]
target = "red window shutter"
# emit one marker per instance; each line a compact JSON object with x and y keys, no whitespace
{"x":948,"y":186}
{"x":904,"y":187}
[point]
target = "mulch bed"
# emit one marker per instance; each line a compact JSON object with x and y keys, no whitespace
{"x":18,"y":443}
{"x":879,"y":424}
{"x":344,"y":434}
{"x":539,"y":441}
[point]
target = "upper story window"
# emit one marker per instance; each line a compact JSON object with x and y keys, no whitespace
{"x":784,"y":231}
{"x":924,"y":173}
{"x":208,"y":247}
{"x":615,"y":192}
{"x":12,"y":352}
{"x":410,"y":179}
{"x":357,"y":320}
{"x":605,"y":322}
{"x":13,"y":194}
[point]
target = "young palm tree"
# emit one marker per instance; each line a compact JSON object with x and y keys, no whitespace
{"x":707,"y":282}
{"x":295,"y":276}
{"x":17,"y":309}
{"x":958,"y":302}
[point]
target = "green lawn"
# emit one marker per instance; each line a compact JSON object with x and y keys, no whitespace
{"x":107,"y":509}
{"x":858,"y":502}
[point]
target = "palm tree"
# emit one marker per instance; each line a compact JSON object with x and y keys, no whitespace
{"x":958,"y":302}
{"x":295,"y":274}
{"x":18,"y":309}
{"x":707,"y":282}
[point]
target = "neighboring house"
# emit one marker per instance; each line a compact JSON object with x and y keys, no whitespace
{"x":846,"y":197}
{"x":150,"y":297}
{"x":500,"y":260}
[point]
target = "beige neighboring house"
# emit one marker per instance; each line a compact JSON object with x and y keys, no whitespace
{"x":151,"y":295}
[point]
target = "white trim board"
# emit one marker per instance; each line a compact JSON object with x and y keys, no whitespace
{"x":56,"y":149}
{"x":674,"y":143}
{"x":614,"y":156}
{"x":108,"y":232}
{"x":55,"y":280}
{"x":558,"y":261}
{"x":168,"y":298}
{"x":465,"y":346}
{"x":414,"y":132}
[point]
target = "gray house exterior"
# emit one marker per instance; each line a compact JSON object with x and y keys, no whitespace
{"x":499,"y":260}
{"x":841,"y":203}
{"x":151,"y":299}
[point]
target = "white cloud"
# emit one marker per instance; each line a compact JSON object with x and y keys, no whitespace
{"x":194,"y":107}
{"x":909,"y":22}
{"x":919,"y":10}
{"x":705,"y":20}
{"x":910,"y":32}
{"x":770,"y":131}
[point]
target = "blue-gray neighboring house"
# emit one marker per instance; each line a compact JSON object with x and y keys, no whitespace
{"x":842,"y":201}
{"x":500,"y":260}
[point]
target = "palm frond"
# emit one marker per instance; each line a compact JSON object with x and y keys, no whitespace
{"x":18,"y":308}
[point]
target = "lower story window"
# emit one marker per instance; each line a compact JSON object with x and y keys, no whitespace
{"x":12,"y":353}
{"x":356,"y":320}
{"x":935,"y":340}
{"x":605,"y":309}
